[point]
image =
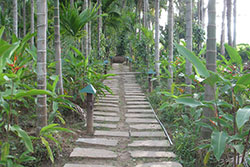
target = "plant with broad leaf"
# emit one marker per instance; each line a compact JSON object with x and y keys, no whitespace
{"x":231,"y":104}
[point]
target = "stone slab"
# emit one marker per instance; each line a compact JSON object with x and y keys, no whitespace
{"x":136,"y":99}
{"x":105,"y":113}
{"x":137,"y":106}
{"x":134,"y":94}
{"x":111,"y":133}
{"x":109,"y":101}
{"x":147,"y":134}
{"x":160,"y":164}
{"x":137,"y":103}
{"x":152,"y":154}
{"x":86,"y":165}
{"x":102,"y":125}
{"x":140,"y":111}
{"x":141,"y":120}
{"x":106,"y":105}
{"x":149,"y":143}
{"x":108,"y":119}
{"x":93,"y":153}
{"x":142,"y":115}
{"x":145,"y":126}
{"x":109,"y":98}
{"x":114,"y":109}
{"x":98,"y":141}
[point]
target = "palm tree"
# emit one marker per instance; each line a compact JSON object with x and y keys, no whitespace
{"x":229,"y":22}
{"x":222,"y":41}
{"x":32,"y":22}
{"x":24,"y":17}
{"x":170,"y":39}
{"x":99,"y":2}
{"x":157,"y":65}
{"x":86,"y":42}
{"x":211,"y":63}
{"x":235,"y":18}
{"x":15,"y":18}
{"x":58,"y":47}
{"x":41,"y":62}
{"x":189,"y":43}
{"x":89,"y":31}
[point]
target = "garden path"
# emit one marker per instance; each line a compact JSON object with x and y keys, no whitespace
{"x":127,"y":133}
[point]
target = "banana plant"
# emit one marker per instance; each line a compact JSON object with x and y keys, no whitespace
{"x":231,"y":105}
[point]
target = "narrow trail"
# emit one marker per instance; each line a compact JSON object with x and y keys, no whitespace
{"x":126,"y":131}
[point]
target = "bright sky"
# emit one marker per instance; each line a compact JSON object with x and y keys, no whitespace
{"x":243,"y":23}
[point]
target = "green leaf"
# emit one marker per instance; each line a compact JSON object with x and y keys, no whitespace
{"x":1,"y":32}
{"x":234,"y":55}
{"x":24,"y":136}
{"x":218,"y":141}
{"x":46,"y":144}
{"x":206,"y":158}
{"x":5,"y":150}
{"x":46,"y":128}
{"x":189,"y":102}
{"x":239,"y":148}
{"x":244,"y":80}
{"x":201,"y":68}
{"x":242,"y":116}
{"x":33,"y":92}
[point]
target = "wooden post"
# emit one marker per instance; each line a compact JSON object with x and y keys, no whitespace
{"x":105,"y":68}
{"x":150,"y":85}
{"x":127,"y":59}
{"x":90,"y":127}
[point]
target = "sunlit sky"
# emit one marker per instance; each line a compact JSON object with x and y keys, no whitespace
{"x":243,"y":20}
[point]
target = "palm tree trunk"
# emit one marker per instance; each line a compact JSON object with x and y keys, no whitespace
{"x":89,"y":32}
{"x":71,"y":3}
{"x":189,"y":43}
{"x":99,"y":27}
{"x":32,"y":22}
{"x":58,"y":47}
{"x":222,"y":41}
{"x":229,"y":22}
{"x":157,"y":58}
{"x":211,"y":63}
{"x":170,"y":39}
{"x":86,"y":42}
{"x":24,"y":18}
{"x":41,"y":63}
{"x":202,"y":13}
{"x":15,"y":18}
{"x":144,"y":13}
{"x":235,"y":18}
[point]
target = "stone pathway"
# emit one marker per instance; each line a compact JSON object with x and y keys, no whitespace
{"x":126,"y":131}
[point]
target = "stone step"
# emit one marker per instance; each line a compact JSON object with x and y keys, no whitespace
{"x":105,"y":113}
{"x":114,"y":109}
{"x":145,"y":126}
{"x":152,"y":154}
{"x":86,"y":165}
{"x":142,"y":115}
{"x":98,"y":141}
{"x":138,"y":106}
{"x":93,"y":153}
{"x":109,"y":101}
{"x":140,"y":111}
{"x":149,"y":143}
{"x":134,"y":97}
{"x":111,"y":133}
{"x":134,"y":94}
{"x":141,"y":120}
{"x":160,"y":164}
{"x":106,"y":105}
{"x":103,"y":125}
{"x":147,"y":134}
{"x":109,"y":98}
{"x":107,"y":119}
{"x":137,"y":102}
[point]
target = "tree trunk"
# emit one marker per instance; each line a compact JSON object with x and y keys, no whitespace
{"x":99,"y":27}
{"x":189,"y":43}
{"x":89,"y":32}
{"x":32,"y":22}
{"x":202,"y":13}
{"x":15,"y":18}
{"x":229,"y":22}
{"x":24,"y":18}
{"x":211,"y":64}
{"x":86,"y":42}
{"x":222,"y":41}
{"x":144,"y":13}
{"x":170,"y":39}
{"x":58,"y":47}
{"x":41,"y":63}
{"x":71,"y":3}
{"x":235,"y":18}
{"x":157,"y":57}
